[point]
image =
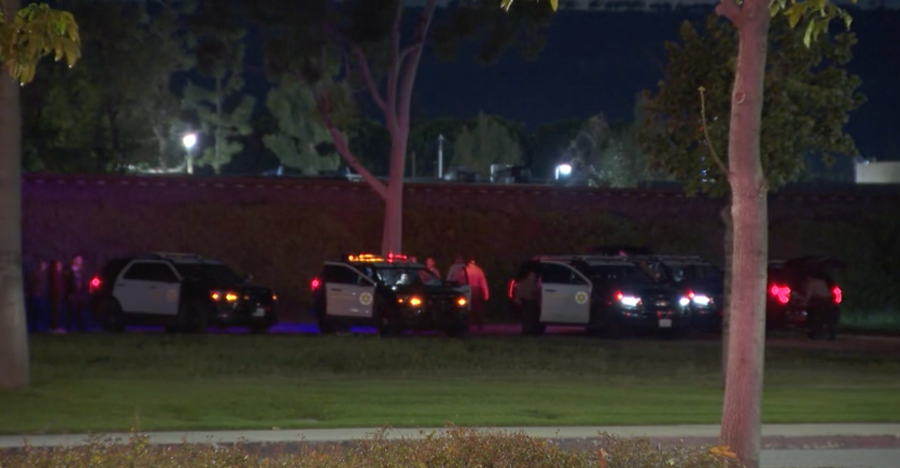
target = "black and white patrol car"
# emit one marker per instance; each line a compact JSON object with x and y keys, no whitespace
{"x":609,"y":295}
{"x":392,"y":294}
{"x":181,"y":292}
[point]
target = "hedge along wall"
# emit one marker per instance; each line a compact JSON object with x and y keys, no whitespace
{"x":282,"y":230}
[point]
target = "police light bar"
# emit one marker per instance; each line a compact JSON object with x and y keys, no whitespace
{"x":364,"y":258}
{"x":371,"y":258}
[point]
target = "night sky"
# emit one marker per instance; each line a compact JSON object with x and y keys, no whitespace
{"x":597,"y":61}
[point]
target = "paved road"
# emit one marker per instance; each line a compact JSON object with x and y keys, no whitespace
{"x":785,"y":445}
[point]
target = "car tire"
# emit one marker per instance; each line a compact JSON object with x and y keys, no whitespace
{"x":386,"y":326}
{"x":113,"y":317}
{"x":611,"y":329}
{"x":198,"y":319}
{"x":457,"y":330}
{"x":326,"y":327}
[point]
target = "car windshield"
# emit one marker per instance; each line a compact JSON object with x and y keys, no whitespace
{"x":692,"y":272}
{"x":212,"y":273}
{"x":627,"y":273}
{"x":407,"y":276}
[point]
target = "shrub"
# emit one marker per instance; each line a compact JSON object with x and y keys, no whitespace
{"x":453,"y":448}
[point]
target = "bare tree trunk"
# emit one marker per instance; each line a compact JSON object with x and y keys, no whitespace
{"x":746,"y":345}
{"x":162,"y":143}
{"x":729,"y":266}
{"x":217,"y":157}
{"x":13,"y":332}
{"x":395,"y":103}
{"x":392,"y":241}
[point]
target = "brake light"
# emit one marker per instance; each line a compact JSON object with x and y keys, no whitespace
{"x":782,"y":293}
{"x":619,"y":295}
{"x":95,"y":283}
{"x":512,"y":288}
{"x":314,"y":284}
{"x":838,"y":295}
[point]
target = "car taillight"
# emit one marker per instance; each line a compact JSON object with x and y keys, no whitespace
{"x":512,"y":288}
{"x":95,"y":284}
{"x":314,"y":284}
{"x":838,"y":295}
{"x":781,"y":293}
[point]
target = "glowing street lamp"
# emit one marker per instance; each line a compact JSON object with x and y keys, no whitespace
{"x":190,"y":140}
{"x":563,"y":170}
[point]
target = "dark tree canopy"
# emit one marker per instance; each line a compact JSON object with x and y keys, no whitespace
{"x":808,"y":97}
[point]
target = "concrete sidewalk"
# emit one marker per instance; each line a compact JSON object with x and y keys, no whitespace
{"x":793,"y":436}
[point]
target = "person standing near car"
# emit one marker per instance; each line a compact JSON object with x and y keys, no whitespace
{"x":526,"y":296}
{"x":456,"y":275}
{"x":480,"y":293}
{"x":430,"y":266}
{"x":814,"y":295}
{"x":76,"y":294}
{"x":57,"y":280}
{"x":38,"y":305}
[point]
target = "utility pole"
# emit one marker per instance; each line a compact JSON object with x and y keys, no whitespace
{"x":440,"y":168}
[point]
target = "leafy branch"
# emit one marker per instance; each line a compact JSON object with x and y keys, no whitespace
{"x":36,"y":32}
{"x":709,"y":143}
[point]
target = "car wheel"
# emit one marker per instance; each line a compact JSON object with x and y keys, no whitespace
{"x":386,"y":326}
{"x":611,"y":330}
{"x":457,"y":330}
{"x":113,"y":317}
{"x":326,"y":327}
{"x":198,"y":319}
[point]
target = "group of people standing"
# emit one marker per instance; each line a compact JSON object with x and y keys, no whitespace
{"x":466,"y":273}
{"x":57,"y":296}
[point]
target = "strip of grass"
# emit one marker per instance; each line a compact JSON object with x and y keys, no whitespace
{"x":151,"y":382}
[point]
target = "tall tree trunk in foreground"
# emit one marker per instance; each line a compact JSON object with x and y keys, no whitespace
{"x":13,"y":332}
{"x":746,"y":345}
{"x":729,"y":264}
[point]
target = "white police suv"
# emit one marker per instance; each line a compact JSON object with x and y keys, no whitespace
{"x":391,"y":293}
{"x":181,"y":292}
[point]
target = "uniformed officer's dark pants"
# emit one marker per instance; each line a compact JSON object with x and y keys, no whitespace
{"x":38,"y":314}
{"x":77,"y":312}
{"x":477,"y":312}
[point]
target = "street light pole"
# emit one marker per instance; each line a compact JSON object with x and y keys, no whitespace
{"x":189,"y":141}
{"x":440,"y":168}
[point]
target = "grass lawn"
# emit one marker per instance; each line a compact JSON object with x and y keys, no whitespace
{"x":156,"y":382}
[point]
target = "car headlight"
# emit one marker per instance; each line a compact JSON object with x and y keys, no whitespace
{"x":684,"y":302}
{"x":228,"y":296}
{"x":461,"y":302}
{"x":628,"y":301}
{"x":411,"y":300}
{"x":702,"y":300}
